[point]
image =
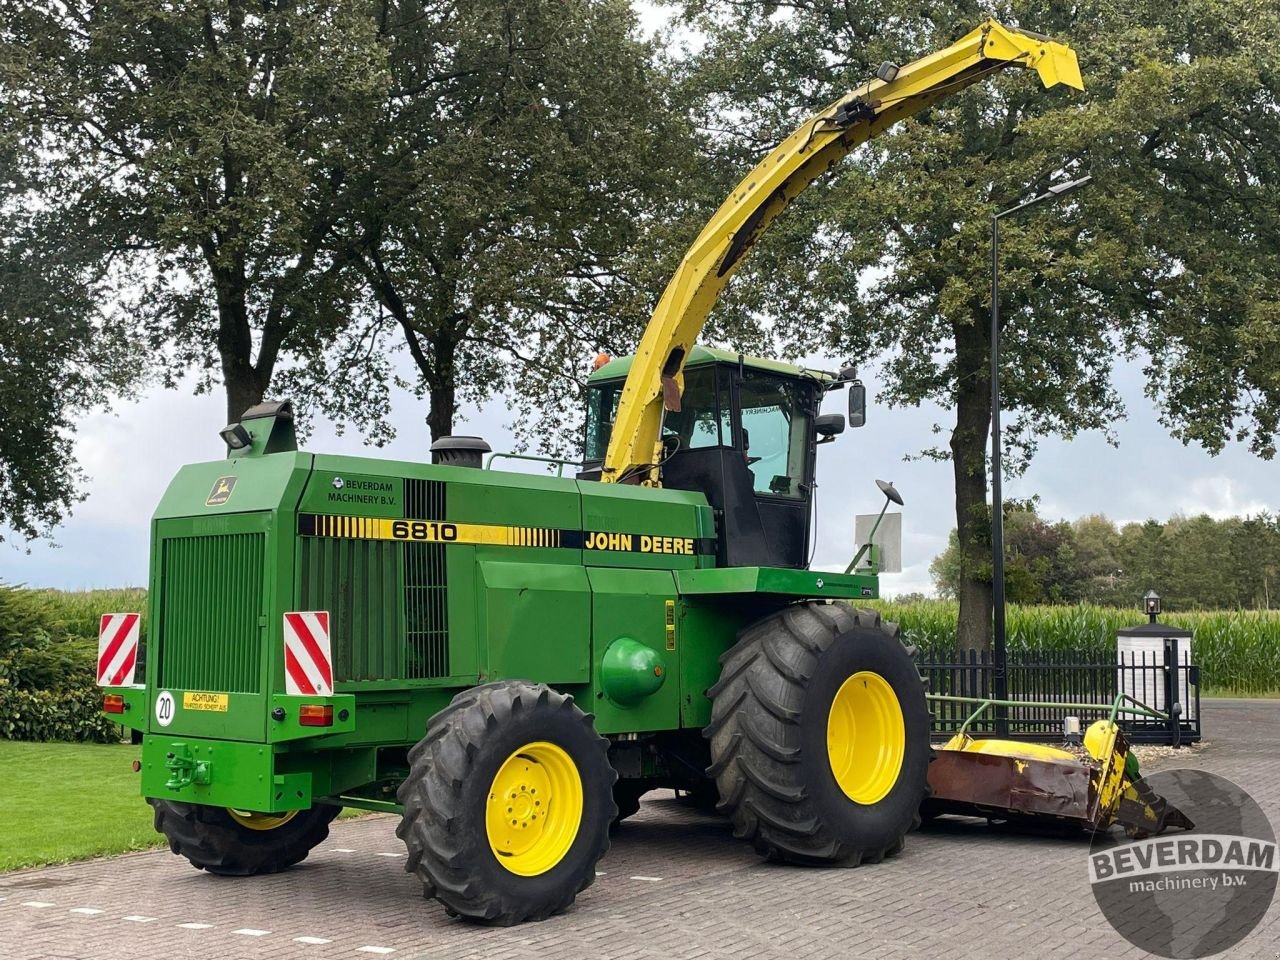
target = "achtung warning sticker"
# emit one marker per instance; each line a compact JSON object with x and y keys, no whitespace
{"x":440,"y":531}
{"x":211,"y":702}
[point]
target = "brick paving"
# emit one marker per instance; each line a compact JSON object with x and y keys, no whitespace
{"x":675,"y":886}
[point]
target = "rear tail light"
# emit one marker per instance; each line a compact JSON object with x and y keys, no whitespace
{"x":315,"y":715}
{"x":112,"y":703}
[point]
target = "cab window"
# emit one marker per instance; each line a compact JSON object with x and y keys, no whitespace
{"x":698,"y":422}
{"x":775,"y":433}
{"x":602,"y":409}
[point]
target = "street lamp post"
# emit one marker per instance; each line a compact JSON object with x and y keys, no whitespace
{"x":997,"y":494}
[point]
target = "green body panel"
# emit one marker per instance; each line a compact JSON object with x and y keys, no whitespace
{"x":240,"y":774}
{"x":435,"y":579}
{"x":780,"y":582}
{"x":669,"y":521}
{"x":536,"y":621}
{"x":632,"y":604}
{"x":707,"y":626}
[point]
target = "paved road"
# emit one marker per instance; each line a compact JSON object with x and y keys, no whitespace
{"x":675,"y":885}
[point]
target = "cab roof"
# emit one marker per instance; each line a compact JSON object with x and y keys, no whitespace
{"x":699,"y":356}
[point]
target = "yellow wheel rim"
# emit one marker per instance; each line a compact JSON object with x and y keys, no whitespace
{"x":866,"y":737}
{"x":261,"y":821}
{"x":534,"y":809}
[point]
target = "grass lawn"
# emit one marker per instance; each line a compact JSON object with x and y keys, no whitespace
{"x":69,"y":801}
{"x":72,"y":801}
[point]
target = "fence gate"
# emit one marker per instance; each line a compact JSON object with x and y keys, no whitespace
{"x":1067,"y":676}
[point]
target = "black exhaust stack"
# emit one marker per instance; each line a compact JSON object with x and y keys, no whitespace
{"x":459,"y":452}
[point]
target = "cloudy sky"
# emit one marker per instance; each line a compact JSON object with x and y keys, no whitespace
{"x":131,"y":454}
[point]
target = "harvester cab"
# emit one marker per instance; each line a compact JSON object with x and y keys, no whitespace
{"x":745,"y":434}
{"x":508,"y":661}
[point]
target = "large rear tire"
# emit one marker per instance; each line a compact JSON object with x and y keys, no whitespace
{"x":508,"y":803}
{"x":234,"y":843}
{"x":820,"y":736}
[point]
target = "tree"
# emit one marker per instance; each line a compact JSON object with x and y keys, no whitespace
{"x":1172,"y":254}
{"x":1042,"y":563}
{"x":1097,"y":545}
{"x":1192,"y":562}
{"x":208,"y":149}
{"x":62,"y":353}
{"x":524,"y":157}
{"x":303,"y":185}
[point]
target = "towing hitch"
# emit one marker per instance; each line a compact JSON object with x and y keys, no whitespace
{"x":184,"y":769}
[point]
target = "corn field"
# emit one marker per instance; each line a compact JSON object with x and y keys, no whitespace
{"x":78,"y":611}
{"x":1238,"y":651}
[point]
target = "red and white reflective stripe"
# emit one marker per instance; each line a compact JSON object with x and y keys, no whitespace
{"x":308,"y":661}
{"x":118,"y":648}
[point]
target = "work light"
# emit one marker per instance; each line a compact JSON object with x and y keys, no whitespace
{"x":235,"y":436}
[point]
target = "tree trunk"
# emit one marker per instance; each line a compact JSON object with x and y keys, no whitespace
{"x":242,"y":393}
{"x":442,"y":377}
{"x":241,"y":380}
{"x":443,"y":407}
{"x":968,"y":458}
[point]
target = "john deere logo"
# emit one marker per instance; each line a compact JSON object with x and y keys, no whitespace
{"x":338,"y":483}
{"x":221,"y":491}
{"x":1194,"y":892}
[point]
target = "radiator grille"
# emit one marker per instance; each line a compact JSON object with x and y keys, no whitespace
{"x":210,"y":602}
{"x":426,"y":611}
{"x":424,"y":499}
{"x":386,"y":599}
{"x":356,"y":581}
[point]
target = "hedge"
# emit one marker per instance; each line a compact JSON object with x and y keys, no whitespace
{"x":74,"y":715}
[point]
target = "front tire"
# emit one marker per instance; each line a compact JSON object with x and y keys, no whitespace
{"x":234,"y":843}
{"x":820,"y":736}
{"x":508,"y":803}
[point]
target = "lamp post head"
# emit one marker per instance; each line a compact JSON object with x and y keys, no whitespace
{"x":1058,"y":189}
{"x":1151,"y":603}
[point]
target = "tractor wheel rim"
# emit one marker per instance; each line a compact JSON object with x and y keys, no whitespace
{"x":261,"y":821}
{"x":534,"y":809}
{"x":866,"y":737}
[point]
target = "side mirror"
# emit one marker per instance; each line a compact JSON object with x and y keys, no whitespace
{"x":828,"y":426}
{"x":857,"y":404}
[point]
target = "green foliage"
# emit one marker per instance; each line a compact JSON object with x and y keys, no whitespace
{"x":78,"y":612}
{"x":1192,"y":562}
{"x":200,"y":154}
{"x":1236,"y":650}
{"x":60,"y":356}
{"x":524,"y":156}
{"x":68,"y":714}
{"x":291,"y":193}
{"x":48,"y":655}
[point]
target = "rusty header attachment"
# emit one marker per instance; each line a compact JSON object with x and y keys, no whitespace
{"x":1009,"y":780}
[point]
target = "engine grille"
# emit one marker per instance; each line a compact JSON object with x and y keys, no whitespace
{"x":386,"y":599}
{"x":210,"y":602}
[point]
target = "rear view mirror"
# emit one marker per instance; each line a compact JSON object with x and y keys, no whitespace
{"x":857,"y":404}
{"x":829,"y":425}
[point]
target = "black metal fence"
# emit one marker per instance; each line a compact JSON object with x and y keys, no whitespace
{"x":1065,"y":676}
